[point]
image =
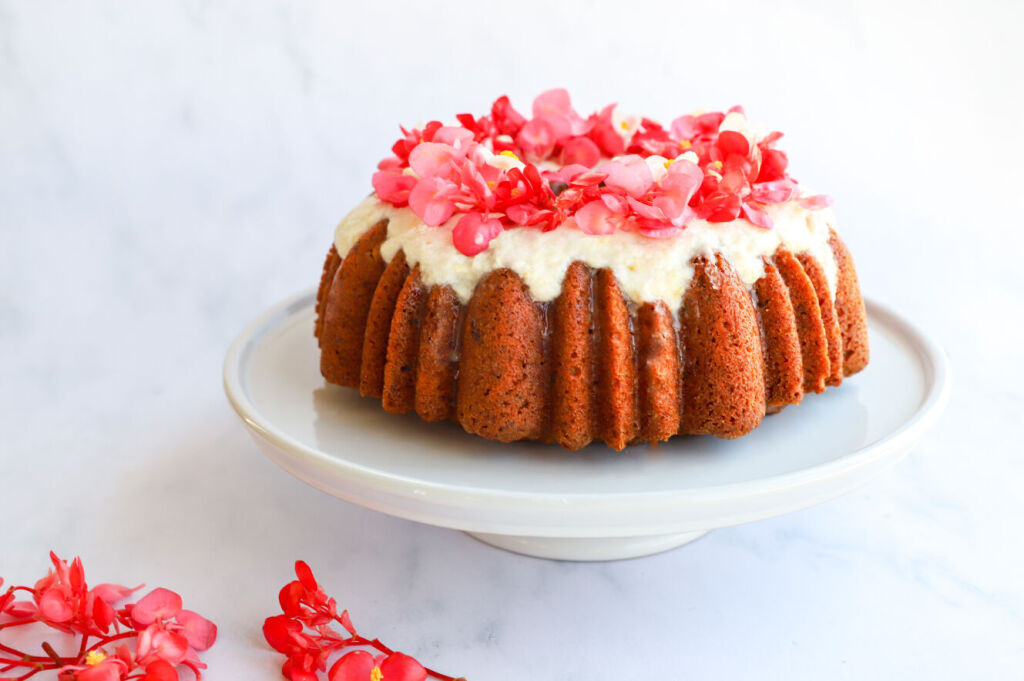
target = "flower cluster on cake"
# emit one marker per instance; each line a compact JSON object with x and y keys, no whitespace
{"x":571,"y":279}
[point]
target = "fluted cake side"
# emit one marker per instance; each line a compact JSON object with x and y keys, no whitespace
{"x":589,"y":365}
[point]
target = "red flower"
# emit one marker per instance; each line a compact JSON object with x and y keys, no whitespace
{"x":507,"y":121}
{"x":474,"y":169}
{"x":303,"y":633}
{"x":360,"y":665}
{"x":162,"y":634}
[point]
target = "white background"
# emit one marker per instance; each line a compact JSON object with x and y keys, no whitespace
{"x":168,"y":170}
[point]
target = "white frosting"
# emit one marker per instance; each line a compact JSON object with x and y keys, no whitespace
{"x":647,"y":270}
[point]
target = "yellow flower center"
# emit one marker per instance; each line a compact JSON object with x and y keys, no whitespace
{"x":685,"y":144}
{"x":624,"y":125}
{"x":376,"y":674}
{"x":668,"y":162}
{"x":717,"y":164}
{"x":507,"y":152}
{"x":94,"y":657}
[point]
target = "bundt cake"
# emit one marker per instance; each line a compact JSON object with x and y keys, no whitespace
{"x":571,"y":279}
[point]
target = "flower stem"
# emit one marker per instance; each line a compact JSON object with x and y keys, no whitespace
{"x":57,"y":659}
{"x":31,"y":658}
{"x":31,"y":673}
{"x":109,"y":639}
{"x":17,"y":623}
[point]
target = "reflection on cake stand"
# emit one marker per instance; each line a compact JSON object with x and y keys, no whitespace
{"x":595,"y":504}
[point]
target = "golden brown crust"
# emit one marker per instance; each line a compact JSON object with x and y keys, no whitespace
{"x":378,"y":327}
{"x":586,"y":366}
{"x":658,"y":369}
{"x":618,"y":423}
{"x":850,"y":310}
{"x":723,"y":384}
{"x":572,"y":360}
{"x":503,"y":379}
{"x":435,"y":374}
{"x":348,"y":304}
{"x":833,"y":336}
{"x":813,"y":343}
{"x":403,"y":345}
{"x":330,"y":269}
{"x":784,"y":372}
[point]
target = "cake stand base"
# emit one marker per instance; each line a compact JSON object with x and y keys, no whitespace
{"x":585,"y":548}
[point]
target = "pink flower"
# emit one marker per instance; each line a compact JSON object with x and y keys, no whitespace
{"x":629,"y":174}
{"x":393,"y":187}
{"x":556,"y":107}
{"x":614,"y":173}
{"x":432,"y":159}
{"x":694,"y":128}
{"x":157,"y":643}
{"x":200,"y":632}
{"x":679,"y":186}
{"x":112,"y":593}
{"x":168,"y":632}
{"x":433,"y":200}
{"x":455,"y":136}
{"x":537,"y":139}
{"x":754,"y":213}
{"x":164,"y":636}
{"x":567,"y":173}
{"x":473,"y":233}
{"x":360,"y":665}
{"x":597,"y":218}
{"x":56,"y":606}
{"x":580,"y":151}
{"x":158,"y":604}
{"x":776,"y":191}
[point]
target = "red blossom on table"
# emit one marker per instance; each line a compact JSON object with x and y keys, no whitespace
{"x":151,"y":639}
{"x":486,"y":173}
{"x":306,"y":635}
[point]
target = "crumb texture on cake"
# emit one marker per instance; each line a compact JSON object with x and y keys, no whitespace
{"x":592,"y":362}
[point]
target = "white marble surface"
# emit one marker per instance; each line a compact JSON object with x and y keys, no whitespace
{"x":169,"y":170}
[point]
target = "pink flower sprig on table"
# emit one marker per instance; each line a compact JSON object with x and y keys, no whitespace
{"x":306,"y":635}
{"x":602,"y":173}
{"x":150,"y":640}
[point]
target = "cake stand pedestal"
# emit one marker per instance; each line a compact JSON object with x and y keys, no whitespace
{"x":588,"y":548}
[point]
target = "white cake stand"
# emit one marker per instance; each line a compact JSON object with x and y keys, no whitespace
{"x":595,"y":504}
